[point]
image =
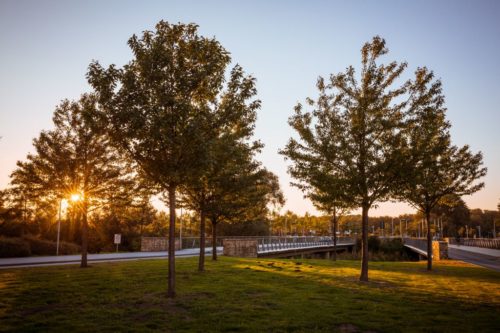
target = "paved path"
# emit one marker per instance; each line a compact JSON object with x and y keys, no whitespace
{"x":489,"y":258}
{"x":95,"y":258}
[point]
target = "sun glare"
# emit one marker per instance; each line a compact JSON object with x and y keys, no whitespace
{"x":76,"y":197}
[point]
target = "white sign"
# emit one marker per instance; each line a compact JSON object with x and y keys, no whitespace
{"x":118,"y":238}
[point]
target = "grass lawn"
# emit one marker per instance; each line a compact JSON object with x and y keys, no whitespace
{"x":251,"y":295}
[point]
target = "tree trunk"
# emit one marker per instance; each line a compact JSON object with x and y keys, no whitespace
{"x":85,"y":239}
{"x":171,"y":242}
{"x":214,"y":240}
{"x":364,"y":244}
{"x":201,"y":261}
{"x":429,"y":240}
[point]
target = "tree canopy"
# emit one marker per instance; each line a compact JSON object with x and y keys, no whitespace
{"x":351,"y":137}
{"x":433,"y":168}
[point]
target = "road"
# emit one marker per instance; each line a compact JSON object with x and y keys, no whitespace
{"x":478,"y":256}
{"x":95,"y":258}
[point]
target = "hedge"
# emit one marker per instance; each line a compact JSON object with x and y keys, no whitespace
{"x":31,"y":245}
{"x":14,"y":247}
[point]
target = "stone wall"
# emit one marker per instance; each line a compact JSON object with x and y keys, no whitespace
{"x":439,"y":248}
{"x":157,"y":244}
{"x":246,"y":248}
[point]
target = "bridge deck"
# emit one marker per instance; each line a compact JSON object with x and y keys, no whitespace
{"x":279,"y":246}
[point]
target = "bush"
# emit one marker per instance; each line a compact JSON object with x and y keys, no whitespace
{"x":373,"y":244}
{"x":40,"y":246}
{"x":392,"y":246}
{"x":14,"y":247}
{"x":11,"y":228}
{"x":44,"y":247}
{"x":69,"y":248}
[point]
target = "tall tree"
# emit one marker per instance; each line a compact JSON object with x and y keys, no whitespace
{"x":352,"y":134}
{"x":432,"y":167}
{"x":156,"y":107}
{"x":233,"y":117}
{"x":73,"y":159}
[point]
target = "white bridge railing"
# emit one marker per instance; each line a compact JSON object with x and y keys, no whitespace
{"x":274,"y":243}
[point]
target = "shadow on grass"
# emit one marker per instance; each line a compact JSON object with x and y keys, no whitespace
{"x":234,"y":295}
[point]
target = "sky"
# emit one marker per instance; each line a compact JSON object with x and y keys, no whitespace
{"x":46,"y":47}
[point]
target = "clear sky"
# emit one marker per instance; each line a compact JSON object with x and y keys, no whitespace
{"x":46,"y":46}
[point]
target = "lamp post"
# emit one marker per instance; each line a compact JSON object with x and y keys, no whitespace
{"x":180,"y":231}
{"x":59,"y":226}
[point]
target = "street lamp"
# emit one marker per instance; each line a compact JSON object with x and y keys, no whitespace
{"x":59,"y":224}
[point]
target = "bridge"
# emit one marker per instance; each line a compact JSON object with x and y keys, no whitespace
{"x":419,"y":246}
{"x":283,"y":247}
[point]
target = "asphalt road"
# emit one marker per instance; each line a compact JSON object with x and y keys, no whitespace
{"x":480,"y":259}
{"x":6,"y":263}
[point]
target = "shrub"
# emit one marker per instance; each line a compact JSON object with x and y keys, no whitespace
{"x":14,"y":247}
{"x":392,"y":246}
{"x":48,"y":248}
{"x":40,"y":246}
{"x":373,"y":244}
{"x":11,"y":228}
{"x":69,"y":248}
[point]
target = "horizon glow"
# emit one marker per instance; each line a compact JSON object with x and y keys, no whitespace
{"x":286,"y":45}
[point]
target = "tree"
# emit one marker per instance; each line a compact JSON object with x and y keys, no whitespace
{"x":432,"y":167}
{"x":455,"y":213}
{"x":235,"y":188}
{"x":72,"y":159}
{"x":352,"y":134}
{"x":331,"y":201}
{"x":245,"y":196}
{"x":233,"y":117}
{"x":157,"y":107}
{"x":319,"y":181}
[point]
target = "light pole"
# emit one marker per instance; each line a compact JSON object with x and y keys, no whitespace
{"x":59,"y":226}
{"x":180,"y":231}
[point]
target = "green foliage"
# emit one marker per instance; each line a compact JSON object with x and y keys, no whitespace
{"x":163,"y":108}
{"x":31,"y":245}
{"x":432,"y":167}
{"x":157,"y":107}
{"x":48,"y":248}
{"x":13,"y":247}
{"x":349,"y":143}
{"x":373,"y":243}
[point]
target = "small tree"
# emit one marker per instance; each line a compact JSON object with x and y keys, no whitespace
{"x":157,"y":107}
{"x":432,"y":167}
{"x":233,"y":120}
{"x":332,"y":203}
{"x":236,"y":188}
{"x":352,"y":134}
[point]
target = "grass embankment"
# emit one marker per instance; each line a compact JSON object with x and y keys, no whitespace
{"x":251,"y":295}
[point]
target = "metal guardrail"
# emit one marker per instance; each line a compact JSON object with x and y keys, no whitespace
{"x":271,"y":244}
{"x":489,"y":243}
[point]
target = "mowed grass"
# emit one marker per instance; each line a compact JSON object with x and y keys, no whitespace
{"x":251,"y":295}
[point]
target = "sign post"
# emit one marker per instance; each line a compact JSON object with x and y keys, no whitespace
{"x":118,"y":240}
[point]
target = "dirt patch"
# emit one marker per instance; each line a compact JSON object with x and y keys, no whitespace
{"x":347,"y":328}
{"x":350,"y":328}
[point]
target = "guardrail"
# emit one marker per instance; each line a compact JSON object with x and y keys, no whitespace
{"x":270,"y":244}
{"x":489,"y":243}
